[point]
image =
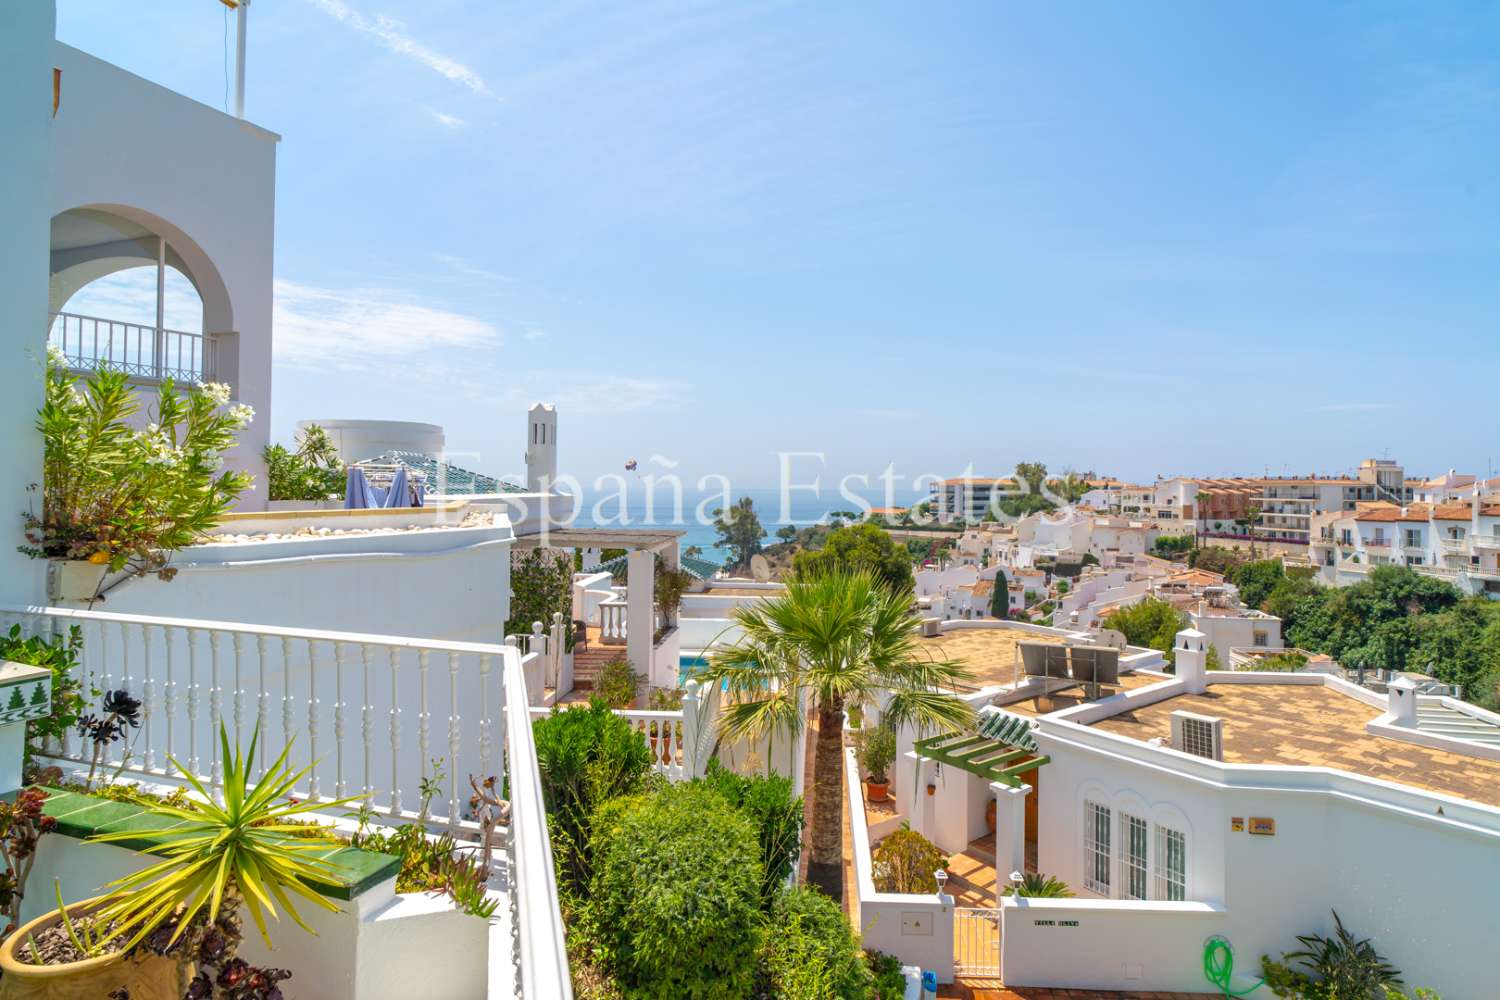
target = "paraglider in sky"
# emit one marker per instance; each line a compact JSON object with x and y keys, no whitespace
{"x":630,"y":465}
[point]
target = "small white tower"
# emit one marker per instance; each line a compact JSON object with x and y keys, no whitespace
{"x":1192,"y":660}
{"x":1402,"y":695}
{"x":541,"y":447}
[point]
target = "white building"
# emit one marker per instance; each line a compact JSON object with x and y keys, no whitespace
{"x":1249,"y":806}
{"x":1457,"y":542}
{"x":971,"y":499}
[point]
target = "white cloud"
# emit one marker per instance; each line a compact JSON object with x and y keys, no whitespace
{"x":444,"y":119}
{"x":354,"y":328}
{"x":1352,"y":407}
{"x":392,"y":34}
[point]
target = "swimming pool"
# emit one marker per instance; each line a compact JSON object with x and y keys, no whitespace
{"x":690,"y":665}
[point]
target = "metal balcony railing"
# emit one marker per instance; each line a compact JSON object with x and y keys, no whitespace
{"x":92,"y":343}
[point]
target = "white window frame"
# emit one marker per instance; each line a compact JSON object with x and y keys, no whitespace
{"x":1135,"y":857}
{"x":1169,"y":883}
{"x":1097,"y":857}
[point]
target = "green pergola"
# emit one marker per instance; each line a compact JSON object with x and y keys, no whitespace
{"x":1001,"y":748}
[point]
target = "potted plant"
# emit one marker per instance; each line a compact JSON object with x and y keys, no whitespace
{"x":877,"y":751}
{"x":154,"y":930}
{"x":116,"y":498}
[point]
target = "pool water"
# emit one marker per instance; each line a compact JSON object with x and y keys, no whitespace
{"x":690,"y":665}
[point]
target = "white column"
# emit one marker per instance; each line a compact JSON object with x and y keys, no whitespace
{"x":640,"y":624}
{"x":1010,"y":830}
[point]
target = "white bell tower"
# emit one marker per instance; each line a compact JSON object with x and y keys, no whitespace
{"x":541,"y":448}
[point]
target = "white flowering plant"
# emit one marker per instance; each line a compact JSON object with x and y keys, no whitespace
{"x":126,"y":497}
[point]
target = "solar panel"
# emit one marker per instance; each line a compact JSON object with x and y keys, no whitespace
{"x":1086,"y":664}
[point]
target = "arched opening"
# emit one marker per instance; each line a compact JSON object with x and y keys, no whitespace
{"x":128,"y":292}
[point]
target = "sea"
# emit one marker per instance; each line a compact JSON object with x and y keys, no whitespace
{"x":635,"y":510}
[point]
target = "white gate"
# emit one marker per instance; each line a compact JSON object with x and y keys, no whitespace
{"x":976,"y":942}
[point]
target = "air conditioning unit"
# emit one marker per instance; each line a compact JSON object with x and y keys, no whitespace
{"x":1199,"y":735}
{"x":932,"y":627}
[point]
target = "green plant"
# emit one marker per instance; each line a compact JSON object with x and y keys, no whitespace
{"x":541,"y":585}
{"x":739,"y":530}
{"x":22,"y":826}
{"x":122,"y":711}
{"x":59,"y":654}
{"x":888,"y":981}
{"x":829,"y":641}
{"x":429,"y":787}
{"x":1277,"y":663}
{"x":668,"y":588}
{"x":123,"y":497}
{"x":586,"y":756}
{"x":1341,"y":967}
{"x":857,"y":547}
{"x":618,"y":684}
{"x":91,"y":937}
{"x":238,"y":850}
{"x":1000,"y":596}
{"x":905,"y":862}
{"x":664,"y":699}
{"x":675,"y":894}
{"x":768,"y":802}
{"x":811,"y":953}
{"x":312,"y":472}
{"x":877,"y":751}
{"x":1040,"y":886}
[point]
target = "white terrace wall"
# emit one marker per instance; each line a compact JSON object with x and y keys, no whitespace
{"x":1389,"y":861}
{"x":204,"y":179}
{"x":26,"y":31}
{"x":918,"y":929}
{"x":451,"y":583}
{"x":380,"y":946}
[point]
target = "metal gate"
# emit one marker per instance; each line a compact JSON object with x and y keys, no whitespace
{"x":976,"y":942}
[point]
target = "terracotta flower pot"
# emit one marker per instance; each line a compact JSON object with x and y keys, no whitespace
{"x":149,"y":977}
{"x":877,"y":791}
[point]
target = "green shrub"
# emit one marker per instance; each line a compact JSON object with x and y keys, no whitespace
{"x":889,"y":981}
{"x":586,"y":756}
{"x":1341,"y":967}
{"x":877,"y":751}
{"x":811,"y":951}
{"x":768,"y":802}
{"x":675,"y":894}
{"x":1288,"y":663}
{"x":905,"y":862}
{"x":1041,"y":886}
{"x":618,"y":683}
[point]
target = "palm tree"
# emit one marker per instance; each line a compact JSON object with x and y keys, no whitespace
{"x":836,"y":639}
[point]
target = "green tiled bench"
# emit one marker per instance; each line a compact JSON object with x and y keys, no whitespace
{"x":83,"y":816}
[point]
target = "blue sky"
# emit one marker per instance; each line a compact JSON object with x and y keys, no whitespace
{"x":1138,"y":238}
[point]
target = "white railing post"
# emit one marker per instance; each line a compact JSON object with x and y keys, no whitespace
{"x":286,"y":694}
{"x":395,"y":733}
{"x":556,"y":645}
{"x":340,"y":788}
{"x":423,"y":717}
{"x":192,"y":700}
{"x":169,"y":701}
{"x":690,"y":721}
{"x":367,"y":724}
{"x":215,"y":708}
{"x":312,"y":719}
{"x":486,"y":745}
{"x":148,"y":694}
{"x":454,"y":741}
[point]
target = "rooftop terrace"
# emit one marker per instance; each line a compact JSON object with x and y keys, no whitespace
{"x":988,"y":653}
{"x":1313,"y":726}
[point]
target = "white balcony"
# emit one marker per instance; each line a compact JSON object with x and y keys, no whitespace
{"x":1489,"y":542}
{"x":92,"y":343}
{"x":1457,"y":546}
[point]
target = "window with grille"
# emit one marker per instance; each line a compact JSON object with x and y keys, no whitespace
{"x":1133,"y":844}
{"x":1171,"y":864}
{"x":1096,"y":847}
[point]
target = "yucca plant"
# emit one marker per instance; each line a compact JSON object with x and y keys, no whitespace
{"x":222,"y":854}
{"x":1037,"y":885}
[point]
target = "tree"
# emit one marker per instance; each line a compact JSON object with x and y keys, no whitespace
{"x":739,"y":530}
{"x":1071,"y":487}
{"x":693,"y":551}
{"x":837,"y":639}
{"x":1033,"y":474}
{"x":856,"y":547}
{"x":1027,"y":503}
{"x":1152,"y":623}
{"x":1000,"y":596}
{"x":1256,"y":580}
{"x":787,"y":533}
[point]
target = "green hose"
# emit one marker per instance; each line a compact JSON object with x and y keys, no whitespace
{"x":1218,"y":967}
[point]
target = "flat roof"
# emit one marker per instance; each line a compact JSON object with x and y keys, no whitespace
{"x":1042,"y":704}
{"x":989,"y":653}
{"x":1313,"y":726}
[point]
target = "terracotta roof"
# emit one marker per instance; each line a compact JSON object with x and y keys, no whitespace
{"x":1453,"y":512}
{"x":1390,"y":512}
{"x":883,"y":511}
{"x":980,"y":588}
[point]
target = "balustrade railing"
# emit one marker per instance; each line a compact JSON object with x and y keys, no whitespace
{"x":91,"y":343}
{"x":612,"y":622}
{"x":344,"y":701}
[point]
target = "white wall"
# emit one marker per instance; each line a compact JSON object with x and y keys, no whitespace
{"x":26,"y":31}
{"x":359,"y":440}
{"x":437,"y":584}
{"x":1364,"y":848}
{"x":203,"y":179}
{"x":380,"y":946}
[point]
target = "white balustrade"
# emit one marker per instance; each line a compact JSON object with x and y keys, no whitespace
{"x":612,"y":622}
{"x":176,"y":665}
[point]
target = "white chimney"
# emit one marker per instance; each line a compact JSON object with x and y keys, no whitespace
{"x":541,"y":448}
{"x":1402,"y":693}
{"x":1192,"y":660}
